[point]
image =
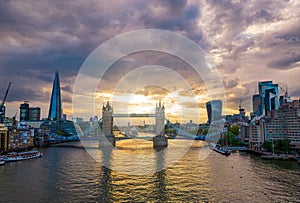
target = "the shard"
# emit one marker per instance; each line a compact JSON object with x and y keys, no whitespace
{"x":55,"y":110}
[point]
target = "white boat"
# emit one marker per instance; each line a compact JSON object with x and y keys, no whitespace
{"x":220,"y":150}
{"x":20,"y":156}
{"x":2,"y":162}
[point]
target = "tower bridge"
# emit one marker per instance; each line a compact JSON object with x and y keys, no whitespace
{"x":107,"y":137}
{"x":132,"y":115}
{"x":159,"y":140}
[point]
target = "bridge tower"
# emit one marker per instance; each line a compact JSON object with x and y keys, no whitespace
{"x":107,"y":137}
{"x":160,"y":139}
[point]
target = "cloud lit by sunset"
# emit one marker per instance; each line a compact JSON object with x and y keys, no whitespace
{"x":249,"y":41}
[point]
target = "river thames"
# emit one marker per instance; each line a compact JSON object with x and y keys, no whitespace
{"x":66,"y":174}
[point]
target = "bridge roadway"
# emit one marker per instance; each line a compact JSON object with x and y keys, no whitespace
{"x":212,"y":136}
{"x":133,"y":115}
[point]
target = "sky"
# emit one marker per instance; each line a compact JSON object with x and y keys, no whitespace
{"x":248,"y":41}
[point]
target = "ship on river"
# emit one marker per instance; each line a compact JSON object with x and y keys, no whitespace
{"x":21,"y":156}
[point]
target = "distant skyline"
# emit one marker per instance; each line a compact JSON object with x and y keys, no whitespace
{"x":249,"y":41}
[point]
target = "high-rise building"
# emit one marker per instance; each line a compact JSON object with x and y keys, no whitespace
{"x":55,"y":109}
{"x":2,"y":112}
{"x":29,"y":113}
{"x":57,"y":122}
{"x":24,"y":112}
{"x":34,"y":113}
{"x":3,"y":137}
{"x":214,"y":110}
{"x":280,"y":124}
{"x":269,"y":96}
{"x":285,"y":123}
{"x":256,"y":102}
{"x":77,"y":120}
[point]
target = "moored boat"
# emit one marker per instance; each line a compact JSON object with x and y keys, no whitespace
{"x":220,"y":150}
{"x":20,"y":156}
{"x":2,"y":162}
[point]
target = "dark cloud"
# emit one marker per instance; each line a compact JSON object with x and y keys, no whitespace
{"x":244,"y":37}
{"x":67,"y":88}
{"x":231,"y":84}
{"x":136,"y":60}
{"x":295,"y":93}
{"x":263,"y":15}
{"x":19,"y":94}
{"x":174,"y":7}
{"x":285,"y":63}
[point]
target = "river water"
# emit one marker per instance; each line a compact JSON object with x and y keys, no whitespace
{"x":66,"y":174}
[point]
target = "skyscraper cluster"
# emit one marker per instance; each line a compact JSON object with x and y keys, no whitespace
{"x":56,"y":122}
{"x":267,"y":99}
{"x":274,"y":117}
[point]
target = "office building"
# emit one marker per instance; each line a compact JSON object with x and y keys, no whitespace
{"x":28,"y":113}
{"x":77,"y":120}
{"x":257,"y":131}
{"x":3,"y":138}
{"x":214,"y":110}
{"x":20,"y":136}
{"x":34,"y":113}
{"x":257,"y":102}
{"x":284,"y":99}
{"x":280,"y":124}
{"x":269,"y":96}
{"x":62,"y":127}
{"x":285,"y":123}
{"x":24,"y":112}
{"x":55,"y":109}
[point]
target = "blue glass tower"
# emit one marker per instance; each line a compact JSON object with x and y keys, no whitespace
{"x":269,"y":96}
{"x":214,"y":110}
{"x":55,"y":110}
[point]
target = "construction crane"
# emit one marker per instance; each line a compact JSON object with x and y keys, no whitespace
{"x":2,"y":108}
{"x":15,"y":116}
{"x":285,"y":91}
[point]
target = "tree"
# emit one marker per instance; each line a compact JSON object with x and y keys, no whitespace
{"x":286,"y":145}
{"x":205,"y":131}
{"x":279,"y":145}
{"x":230,"y":139}
{"x":234,"y":130}
{"x":267,"y":145}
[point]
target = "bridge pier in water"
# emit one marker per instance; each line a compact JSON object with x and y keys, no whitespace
{"x":107,"y":138}
{"x":105,"y":141}
{"x":160,"y":139}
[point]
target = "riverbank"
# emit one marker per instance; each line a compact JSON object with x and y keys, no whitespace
{"x":277,"y":156}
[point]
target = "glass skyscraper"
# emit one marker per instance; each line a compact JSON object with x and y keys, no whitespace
{"x":55,"y":110}
{"x":214,"y":110}
{"x":24,"y":112}
{"x":269,"y":96}
{"x":257,"y":104}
